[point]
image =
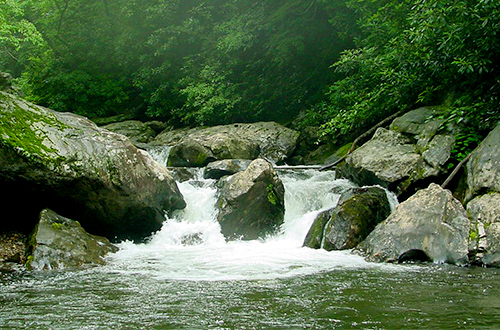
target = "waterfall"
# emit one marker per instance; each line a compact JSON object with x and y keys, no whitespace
{"x":160,"y":154}
{"x":190,"y":245}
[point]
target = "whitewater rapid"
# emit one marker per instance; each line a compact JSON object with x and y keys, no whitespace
{"x":190,"y":245}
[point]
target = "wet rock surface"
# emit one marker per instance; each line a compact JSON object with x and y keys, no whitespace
{"x":13,"y":247}
{"x":267,"y":140}
{"x":251,"y":202}
{"x":58,"y":243}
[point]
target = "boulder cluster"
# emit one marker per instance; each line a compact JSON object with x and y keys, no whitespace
{"x":459,"y":227}
{"x":62,"y":173}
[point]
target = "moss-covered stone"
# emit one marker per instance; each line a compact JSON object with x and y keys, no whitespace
{"x":65,"y":162}
{"x":346,"y":225}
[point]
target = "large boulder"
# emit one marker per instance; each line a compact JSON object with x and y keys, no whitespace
{"x":58,"y":242}
{"x":431,"y":225}
{"x":483,"y":168}
{"x":414,"y":151}
{"x":251,"y":203}
{"x":484,"y":214}
{"x":347,"y":224}
{"x":138,"y":132}
{"x":65,"y":162}
{"x":268,"y":140}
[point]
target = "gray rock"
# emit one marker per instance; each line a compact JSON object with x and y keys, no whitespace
{"x":58,"y":243}
{"x":420,"y":122}
{"x":268,"y":140}
{"x":190,"y":153}
{"x":347,"y":224}
{"x":413,"y":151}
{"x":484,"y":214}
{"x":483,"y":168}
{"x":138,"y":132}
{"x":251,"y":203}
{"x":157,"y":126}
{"x":439,"y":150}
{"x":65,"y":162}
{"x":432,"y":221}
{"x":220,"y":168}
{"x":388,"y":159}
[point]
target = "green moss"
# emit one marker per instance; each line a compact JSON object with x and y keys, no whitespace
{"x":29,"y":260}
{"x":22,"y":130}
{"x":271,"y":195}
{"x":200,"y":159}
{"x":57,"y":225}
{"x":342,"y":151}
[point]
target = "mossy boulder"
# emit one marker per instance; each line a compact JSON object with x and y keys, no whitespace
{"x":189,"y":153}
{"x":58,"y":242}
{"x":64,"y":162}
{"x":346,"y":225}
{"x":251,"y":202}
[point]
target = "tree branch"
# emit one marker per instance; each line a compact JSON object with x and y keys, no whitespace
{"x":455,"y":170}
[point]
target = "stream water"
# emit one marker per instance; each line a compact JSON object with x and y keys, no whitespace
{"x":188,"y":277}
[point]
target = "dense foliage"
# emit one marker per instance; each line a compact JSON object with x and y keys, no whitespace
{"x":418,"y":52}
{"x":343,"y":64}
{"x":198,"y":62}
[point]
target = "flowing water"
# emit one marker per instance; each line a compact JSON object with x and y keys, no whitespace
{"x":188,"y":277}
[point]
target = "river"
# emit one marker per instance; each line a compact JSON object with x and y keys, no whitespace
{"x":188,"y":277}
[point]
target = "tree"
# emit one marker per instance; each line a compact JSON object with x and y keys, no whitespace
{"x":417,"y":52}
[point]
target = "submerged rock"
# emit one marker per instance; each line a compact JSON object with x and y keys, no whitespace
{"x":267,"y":140}
{"x":251,"y":202}
{"x":58,"y":242}
{"x":413,"y":151}
{"x":347,"y":224}
{"x":431,"y":221}
{"x":65,"y":162}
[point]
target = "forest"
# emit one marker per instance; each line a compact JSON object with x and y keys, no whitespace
{"x":338,"y":65}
